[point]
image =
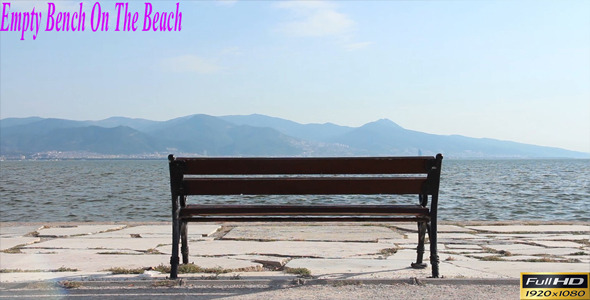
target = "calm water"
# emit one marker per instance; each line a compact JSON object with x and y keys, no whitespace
{"x":137,"y":190}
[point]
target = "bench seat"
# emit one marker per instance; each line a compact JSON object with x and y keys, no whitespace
{"x":269,"y":213}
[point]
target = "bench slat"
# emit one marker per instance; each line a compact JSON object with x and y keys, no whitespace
{"x":303,"y":186}
{"x":309,"y":219}
{"x":308,"y":165}
{"x":308,"y":210}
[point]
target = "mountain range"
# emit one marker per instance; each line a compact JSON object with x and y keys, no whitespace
{"x":244,"y":135}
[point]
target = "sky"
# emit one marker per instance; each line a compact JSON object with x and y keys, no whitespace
{"x":508,"y":70}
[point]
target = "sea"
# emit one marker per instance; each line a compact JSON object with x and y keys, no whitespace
{"x":138,"y":190}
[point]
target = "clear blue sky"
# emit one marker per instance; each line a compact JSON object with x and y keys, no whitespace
{"x":510,"y":70}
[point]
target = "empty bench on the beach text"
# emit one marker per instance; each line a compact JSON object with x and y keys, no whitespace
{"x":191,"y":176}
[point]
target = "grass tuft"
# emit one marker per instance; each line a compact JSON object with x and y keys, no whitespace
{"x":301,"y":272}
{"x":119,"y":270}
{"x":65,"y":269}
{"x":388,"y":251}
{"x":13,"y":250}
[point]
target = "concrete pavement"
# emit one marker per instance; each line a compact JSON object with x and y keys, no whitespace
{"x":262,"y":252}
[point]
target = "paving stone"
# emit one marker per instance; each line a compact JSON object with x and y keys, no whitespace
{"x":352,"y":268}
{"x":440,"y":228}
{"x":398,"y":241}
{"x":515,"y":247}
{"x":519,"y":249}
{"x":451,"y":236}
{"x":267,"y":261}
{"x":102,"y":243}
{"x":194,"y":231}
{"x":581,"y":258}
{"x":93,"y":262}
{"x":280,"y":248}
{"x":84,"y":252}
{"x":504,"y":236}
{"x":512,"y":269}
{"x":237,"y":265}
{"x":76,"y":230}
{"x":550,"y":251}
{"x":17,"y":231}
{"x":558,"y":244}
{"x":533,"y":228}
{"x":521,"y":257}
{"x":408,"y":254}
{"x":455,"y":257}
{"x":463,"y":251}
{"x":7,"y":243}
{"x":563,"y":237}
{"x":463,"y":246}
{"x":312,"y":233}
{"x":88,"y":262}
{"x":483,"y":254}
{"x":523,"y":249}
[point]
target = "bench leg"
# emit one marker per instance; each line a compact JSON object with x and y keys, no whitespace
{"x":419,"y":264}
{"x":184,"y":238}
{"x":434,"y":260}
{"x":174,"y":259}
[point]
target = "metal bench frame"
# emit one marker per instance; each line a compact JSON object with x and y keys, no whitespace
{"x":305,"y":176}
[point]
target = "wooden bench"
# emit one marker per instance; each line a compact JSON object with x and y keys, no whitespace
{"x":305,"y":176}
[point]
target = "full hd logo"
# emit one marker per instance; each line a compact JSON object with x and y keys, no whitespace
{"x":554,"y":286}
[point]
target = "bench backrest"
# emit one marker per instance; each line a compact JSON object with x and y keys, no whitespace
{"x":305,"y":175}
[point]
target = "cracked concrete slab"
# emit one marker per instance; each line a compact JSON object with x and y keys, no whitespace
{"x":558,"y":244}
{"x":520,"y":258}
{"x":509,"y":269}
{"x":514,"y":247}
{"x":17,"y":231}
{"x":464,"y":251}
{"x":463,"y":246}
{"x":409,"y":256}
{"x":10,"y":242}
{"x":524,"y":249}
{"x":102,"y":243}
{"x":550,"y":251}
{"x":96,"y":250}
{"x":194,"y":231}
{"x":440,"y":228}
{"x":272,"y":262}
{"x":398,"y":241}
{"x":455,"y":257}
{"x":451,"y":236}
{"x":281,"y":248}
{"x":581,"y":258}
{"x":89,"y":262}
{"x":228,"y":263}
{"x":81,"y":251}
{"x":76,"y":230}
{"x":312,"y":233}
{"x":555,"y":237}
{"x":354,"y":268}
{"x":532,"y":228}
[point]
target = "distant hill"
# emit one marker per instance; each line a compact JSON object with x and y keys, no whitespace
{"x":246,"y":135}
{"x":207,"y":135}
{"x":311,"y":132}
{"x":117,"y":140}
